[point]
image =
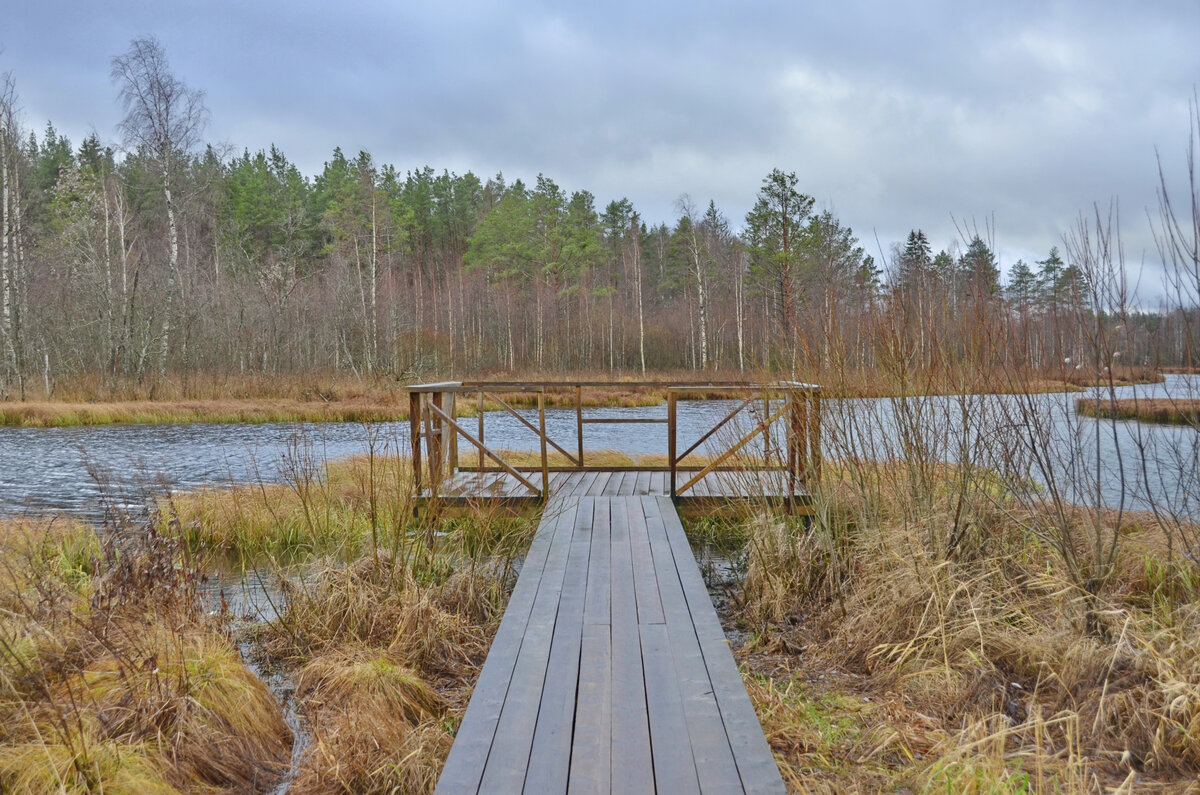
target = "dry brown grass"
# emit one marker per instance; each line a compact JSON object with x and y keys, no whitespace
{"x":55,"y":414}
{"x":112,"y":677}
{"x":386,"y":653}
{"x":1157,"y":410}
{"x":387,"y":625}
{"x":336,"y":509}
{"x":330,"y":397}
{"x":878,"y":662}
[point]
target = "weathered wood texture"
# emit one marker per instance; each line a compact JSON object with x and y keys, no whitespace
{"x":610,"y":671}
{"x":741,"y":484}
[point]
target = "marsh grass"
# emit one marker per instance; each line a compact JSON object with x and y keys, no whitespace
{"x":386,"y":650}
{"x":876,"y":661}
{"x":1163,"y":411}
{"x":383,"y":620}
{"x":112,"y":676}
{"x":329,"y":397}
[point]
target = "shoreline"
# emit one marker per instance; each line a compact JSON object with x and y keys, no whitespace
{"x":392,"y":406}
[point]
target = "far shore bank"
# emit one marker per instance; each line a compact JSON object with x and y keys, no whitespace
{"x":298,"y":400}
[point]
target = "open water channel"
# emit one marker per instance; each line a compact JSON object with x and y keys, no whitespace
{"x":63,"y":470}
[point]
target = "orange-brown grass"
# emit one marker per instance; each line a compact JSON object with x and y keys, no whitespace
{"x":55,"y":414}
{"x":387,"y":649}
{"x":112,"y":676}
{"x":331,"y":397}
{"x":335,"y":509}
{"x":878,"y":661}
{"x":1157,"y":410}
{"x":386,"y":630}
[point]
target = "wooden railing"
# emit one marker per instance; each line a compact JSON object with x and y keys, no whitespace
{"x":437,"y":427}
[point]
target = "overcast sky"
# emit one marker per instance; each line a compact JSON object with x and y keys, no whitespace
{"x":894,"y":116}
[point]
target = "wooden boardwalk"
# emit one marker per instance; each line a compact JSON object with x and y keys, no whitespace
{"x":468,"y":487}
{"x":610,"y":671}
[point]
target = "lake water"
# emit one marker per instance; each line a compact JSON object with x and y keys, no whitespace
{"x":62,"y":469}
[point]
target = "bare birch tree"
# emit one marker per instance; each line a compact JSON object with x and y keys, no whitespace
{"x":163,"y":120}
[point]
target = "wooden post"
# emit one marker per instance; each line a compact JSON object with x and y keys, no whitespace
{"x":481,"y":441}
{"x":671,"y":462}
{"x":414,"y":425}
{"x":797,"y":444}
{"x":767,"y":428}
{"x":542,"y":437}
{"x":450,"y":440}
{"x":579,"y":421}
{"x":814,"y":430}
{"x":435,"y":439}
{"x":432,"y":445}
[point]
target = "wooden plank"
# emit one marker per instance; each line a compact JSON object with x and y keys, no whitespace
{"x":631,"y":765}
{"x":591,"y":748}
{"x":643,"y":483}
{"x":613,"y":487}
{"x":658,"y":482}
{"x":585,"y":483}
{"x":598,"y":485}
{"x":649,"y":607}
{"x":509,"y":755}
{"x":465,"y":763}
{"x":756,"y":765}
{"x":599,"y":583}
{"x":674,"y":769}
{"x":550,"y":757}
{"x":711,"y":752}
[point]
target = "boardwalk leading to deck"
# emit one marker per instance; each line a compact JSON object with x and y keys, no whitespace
{"x":610,"y":671}
{"x":469,"y":487}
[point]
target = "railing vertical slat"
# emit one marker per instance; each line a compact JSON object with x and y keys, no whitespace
{"x":450,"y":440}
{"x":542,"y":437}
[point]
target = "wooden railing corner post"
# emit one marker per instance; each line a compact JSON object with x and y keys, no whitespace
{"x":579,"y":421}
{"x":541,"y":401}
{"x":414,"y":425}
{"x":671,"y":427}
{"x":814,"y":425}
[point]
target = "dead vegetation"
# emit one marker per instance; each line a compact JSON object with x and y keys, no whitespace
{"x":385,"y":621}
{"x":112,"y":677}
{"x":1164,"y":411}
{"x":877,"y":661}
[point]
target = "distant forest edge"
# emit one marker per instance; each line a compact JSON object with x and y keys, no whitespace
{"x":158,"y":254}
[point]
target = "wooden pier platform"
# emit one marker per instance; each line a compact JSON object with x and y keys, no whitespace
{"x":610,"y":671}
{"x":716,"y":490}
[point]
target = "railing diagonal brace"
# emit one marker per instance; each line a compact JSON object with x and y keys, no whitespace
{"x":503,"y":464}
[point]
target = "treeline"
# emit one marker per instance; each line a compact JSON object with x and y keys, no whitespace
{"x":173,"y":258}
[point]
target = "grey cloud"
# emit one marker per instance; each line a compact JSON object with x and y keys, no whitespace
{"x":898,"y":116}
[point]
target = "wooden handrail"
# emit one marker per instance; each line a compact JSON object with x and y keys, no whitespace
{"x":489,"y":453}
{"x":528,"y":425}
{"x":762,"y":427}
{"x":434,"y":425}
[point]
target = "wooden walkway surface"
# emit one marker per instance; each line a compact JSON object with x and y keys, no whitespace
{"x":610,"y":671}
{"x":721,"y":485}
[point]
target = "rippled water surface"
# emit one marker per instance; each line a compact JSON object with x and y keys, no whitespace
{"x":47,"y":470}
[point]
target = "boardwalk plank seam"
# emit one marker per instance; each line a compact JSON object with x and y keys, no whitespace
{"x":610,"y":670}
